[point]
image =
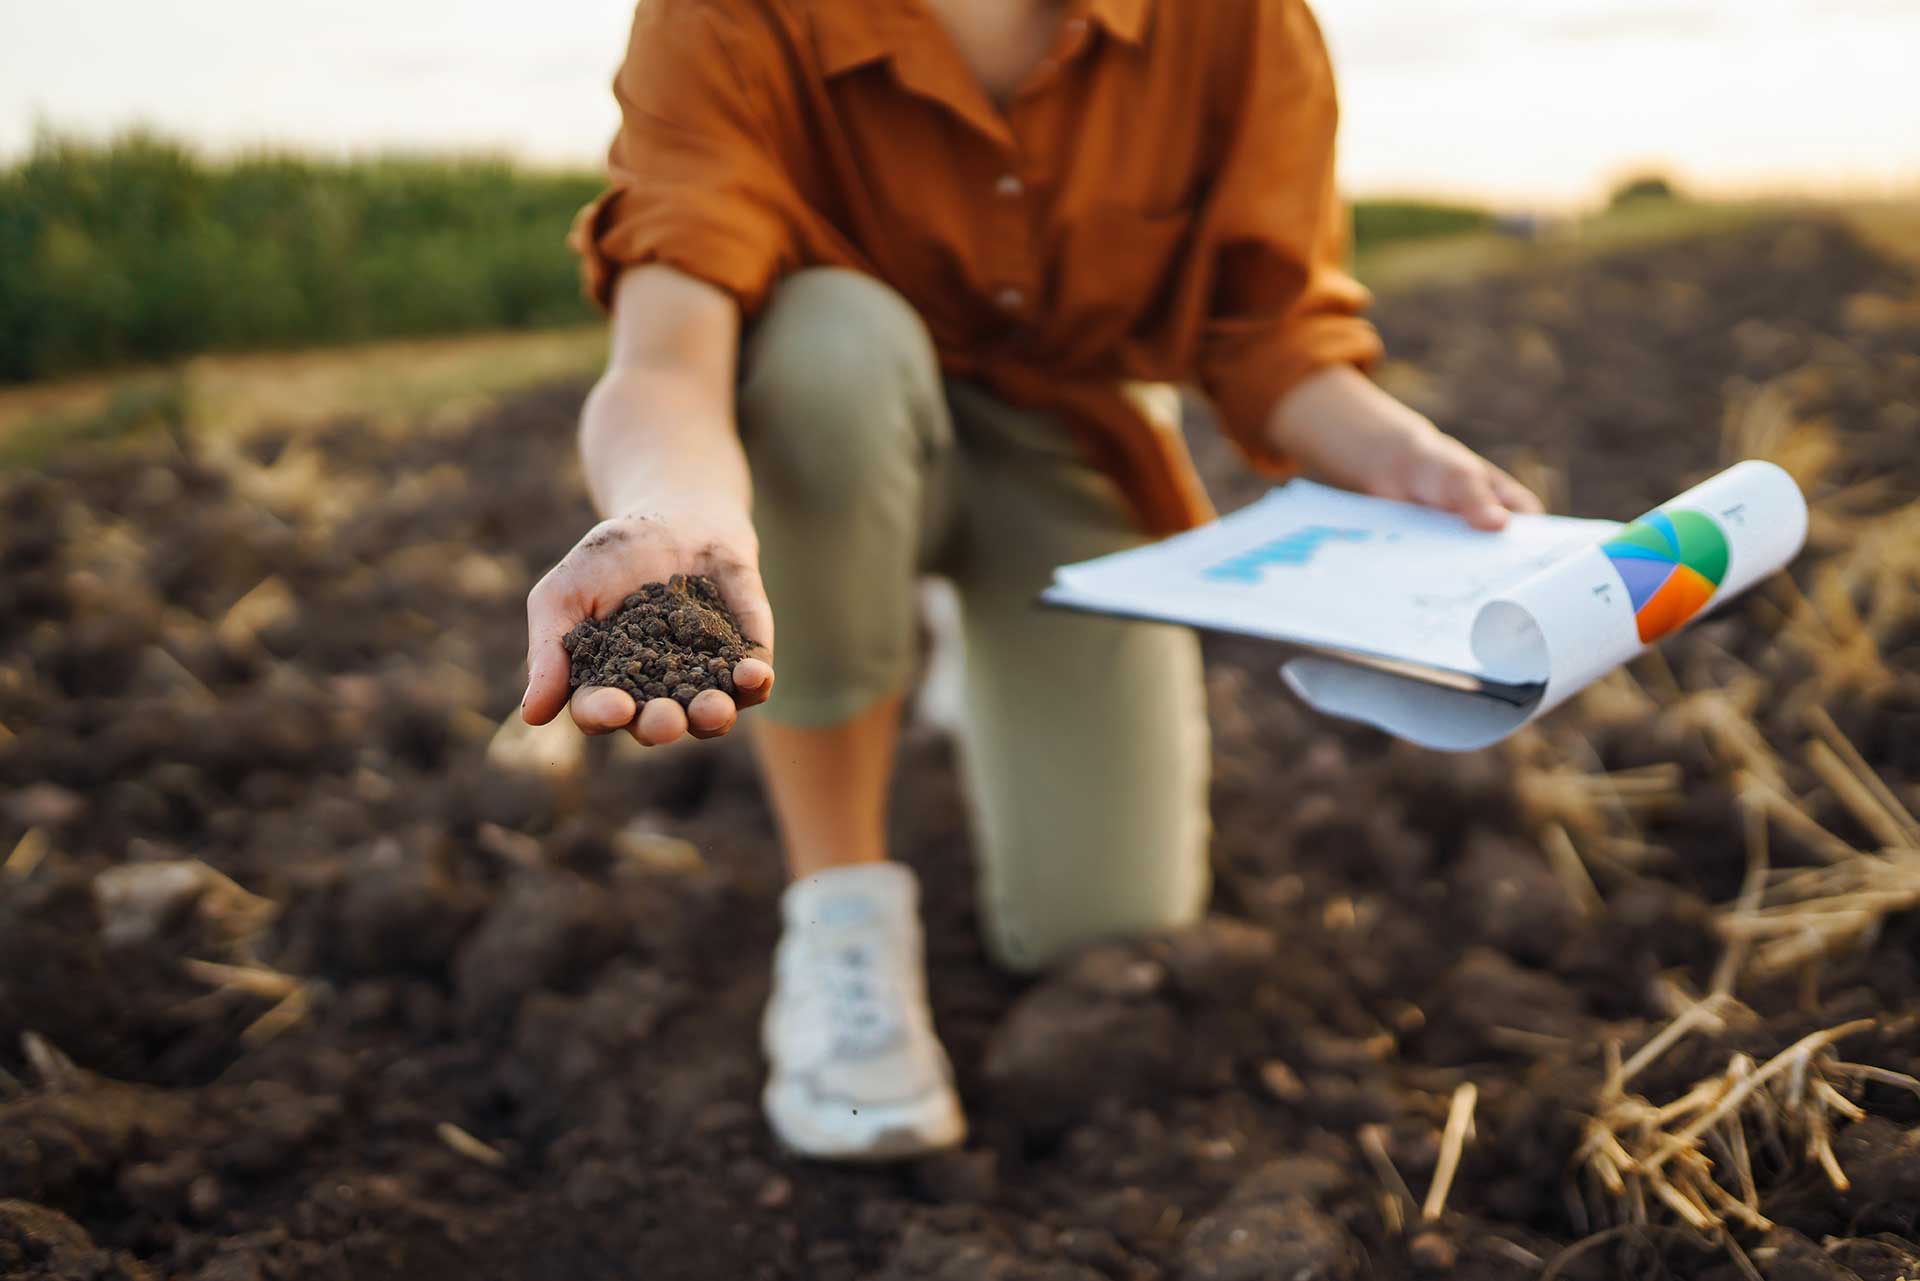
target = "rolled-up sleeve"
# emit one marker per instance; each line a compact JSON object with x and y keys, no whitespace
{"x":695,"y":179}
{"x":1282,"y":305}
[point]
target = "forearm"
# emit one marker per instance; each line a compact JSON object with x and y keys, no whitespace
{"x":654,"y":438}
{"x":1334,"y":421}
{"x":658,"y":432}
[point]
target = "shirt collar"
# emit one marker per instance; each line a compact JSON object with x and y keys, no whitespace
{"x":849,"y":34}
{"x":1126,"y":19}
{"x":852,"y":33}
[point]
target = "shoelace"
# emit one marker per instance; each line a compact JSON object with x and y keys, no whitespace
{"x":861,"y":1002}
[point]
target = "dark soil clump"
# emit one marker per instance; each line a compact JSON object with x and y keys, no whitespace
{"x":667,"y":640}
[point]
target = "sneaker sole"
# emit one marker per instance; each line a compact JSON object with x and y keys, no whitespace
{"x":889,"y":1132}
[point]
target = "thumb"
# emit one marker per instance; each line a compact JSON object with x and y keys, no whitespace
{"x":746,"y":596}
{"x":548,"y":667}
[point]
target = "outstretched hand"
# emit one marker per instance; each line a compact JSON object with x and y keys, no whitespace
{"x":1342,"y":427}
{"x":616,"y":558}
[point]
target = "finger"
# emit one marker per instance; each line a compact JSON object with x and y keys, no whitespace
{"x":661,"y":721}
{"x":1487,"y":513}
{"x":1516,"y":497}
{"x":547,"y":663}
{"x":601,"y":709}
{"x":1469,"y":491}
{"x":752,"y":682}
{"x":746,"y":596}
{"x":1429,"y":483}
{"x":1491,"y":517}
{"x":710,"y":714}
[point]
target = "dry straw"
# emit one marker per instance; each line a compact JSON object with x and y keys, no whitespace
{"x":1692,"y":1155}
{"x":1696,"y":1158}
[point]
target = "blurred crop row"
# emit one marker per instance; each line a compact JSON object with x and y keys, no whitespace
{"x":139,"y":250}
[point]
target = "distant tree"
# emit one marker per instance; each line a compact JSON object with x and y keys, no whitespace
{"x":1644,"y":188}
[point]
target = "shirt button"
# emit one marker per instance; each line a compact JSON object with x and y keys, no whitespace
{"x":1009,"y":186}
{"x":1010,"y":299}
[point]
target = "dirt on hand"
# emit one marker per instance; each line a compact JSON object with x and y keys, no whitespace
{"x":667,"y":640}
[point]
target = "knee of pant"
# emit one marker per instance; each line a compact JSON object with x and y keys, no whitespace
{"x":841,"y":376}
{"x":1025,"y":931}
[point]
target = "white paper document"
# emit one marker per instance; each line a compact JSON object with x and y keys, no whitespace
{"x":1408,"y":619}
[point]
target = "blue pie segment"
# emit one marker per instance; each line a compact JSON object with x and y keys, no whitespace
{"x":1643,"y":576}
{"x":1664,"y":523}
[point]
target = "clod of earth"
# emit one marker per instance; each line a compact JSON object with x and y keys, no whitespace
{"x":667,"y":640}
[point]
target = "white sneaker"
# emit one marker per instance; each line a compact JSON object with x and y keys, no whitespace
{"x":857,"y":1073}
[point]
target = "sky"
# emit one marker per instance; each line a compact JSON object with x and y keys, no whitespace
{"x":1542,"y":102}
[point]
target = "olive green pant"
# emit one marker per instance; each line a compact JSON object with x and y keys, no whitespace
{"x":1084,"y":739}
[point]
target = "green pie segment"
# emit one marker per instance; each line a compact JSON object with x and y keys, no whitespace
{"x":1703,"y":548}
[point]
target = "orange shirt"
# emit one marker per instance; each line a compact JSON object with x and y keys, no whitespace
{"x":1156,"y":203}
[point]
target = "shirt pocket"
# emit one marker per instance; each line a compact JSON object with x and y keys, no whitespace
{"x":1114,"y":273}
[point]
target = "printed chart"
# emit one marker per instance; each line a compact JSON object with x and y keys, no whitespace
{"x":1671,"y":561}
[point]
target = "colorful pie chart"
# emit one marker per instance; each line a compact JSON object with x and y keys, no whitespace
{"x":1671,"y":563}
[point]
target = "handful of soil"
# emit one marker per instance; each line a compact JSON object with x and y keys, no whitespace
{"x":667,"y":640}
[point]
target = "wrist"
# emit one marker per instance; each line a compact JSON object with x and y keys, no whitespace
{"x":707,"y":515}
{"x":1341,"y":426}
